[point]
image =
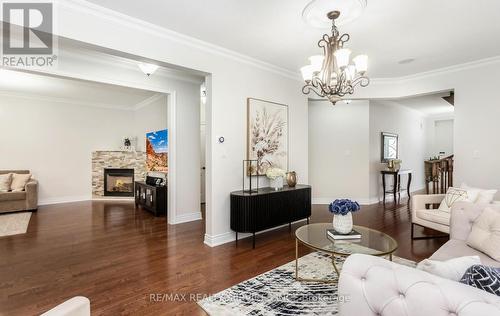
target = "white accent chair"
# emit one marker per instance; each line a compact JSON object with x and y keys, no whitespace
{"x":76,"y":306}
{"x":422,"y":214}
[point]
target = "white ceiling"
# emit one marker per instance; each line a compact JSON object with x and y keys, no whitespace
{"x":429,"y":105}
{"x":436,"y":33}
{"x":71,"y":91}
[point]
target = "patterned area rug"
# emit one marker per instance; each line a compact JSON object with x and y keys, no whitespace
{"x":15,"y":223}
{"x":278,"y":293}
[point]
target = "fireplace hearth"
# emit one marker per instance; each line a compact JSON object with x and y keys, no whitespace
{"x":118,"y":182}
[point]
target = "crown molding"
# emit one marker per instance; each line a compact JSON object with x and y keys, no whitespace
{"x":86,"y":7}
{"x":46,"y":98}
{"x":97,"y":57}
{"x":439,"y":71}
{"x":149,"y":100}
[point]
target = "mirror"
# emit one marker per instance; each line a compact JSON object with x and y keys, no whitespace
{"x":389,"y":147}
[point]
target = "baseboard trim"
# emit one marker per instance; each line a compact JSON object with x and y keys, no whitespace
{"x":64,"y":199}
{"x":188,"y":217}
{"x":390,"y":197}
{"x":217,"y":240}
{"x":362,"y":201}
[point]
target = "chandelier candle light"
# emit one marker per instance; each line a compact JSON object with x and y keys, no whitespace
{"x":331,"y":75}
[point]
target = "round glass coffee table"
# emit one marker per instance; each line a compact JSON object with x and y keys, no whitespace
{"x":314,"y":236}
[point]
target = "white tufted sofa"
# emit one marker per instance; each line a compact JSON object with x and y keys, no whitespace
{"x":371,"y":286}
{"x":374,"y":286}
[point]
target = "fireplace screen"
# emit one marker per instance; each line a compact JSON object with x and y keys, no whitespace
{"x":119,"y":182}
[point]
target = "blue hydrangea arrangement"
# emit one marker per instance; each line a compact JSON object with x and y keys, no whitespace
{"x":343,"y":206}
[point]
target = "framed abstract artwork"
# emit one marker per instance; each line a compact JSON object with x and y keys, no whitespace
{"x":157,"y":151}
{"x":267,"y":135}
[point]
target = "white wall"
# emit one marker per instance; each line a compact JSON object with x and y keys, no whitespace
{"x":443,"y":136}
{"x":410,"y":125}
{"x":149,"y":118}
{"x":476,"y":114}
{"x":338,"y":151}
{"x":55,"y":141}
{"x":345,"y":142}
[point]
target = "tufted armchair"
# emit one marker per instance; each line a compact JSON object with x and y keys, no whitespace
{"x":371,"y":286}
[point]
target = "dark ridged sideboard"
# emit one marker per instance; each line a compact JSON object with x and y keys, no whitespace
{"x":267,"y":208}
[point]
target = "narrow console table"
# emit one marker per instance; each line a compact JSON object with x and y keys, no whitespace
{"x":396,"y":189}
{"x":267,"y":208}
{"x":152,"y":198}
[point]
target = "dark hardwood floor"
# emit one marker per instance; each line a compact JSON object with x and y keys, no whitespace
{"x":121,"y":258}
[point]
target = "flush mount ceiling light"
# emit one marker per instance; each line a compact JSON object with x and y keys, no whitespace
{"x":331,"y":75}
{"x":148,"y":69}
{"x":314,"y":13}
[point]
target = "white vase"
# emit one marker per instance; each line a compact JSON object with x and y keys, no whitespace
{"x":342,"y":223}
{"x":277,"y":183}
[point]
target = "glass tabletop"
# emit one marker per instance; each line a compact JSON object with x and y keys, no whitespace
{"x":372,"y":242}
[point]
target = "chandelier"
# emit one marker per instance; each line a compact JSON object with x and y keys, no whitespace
{"x":331,"y":75}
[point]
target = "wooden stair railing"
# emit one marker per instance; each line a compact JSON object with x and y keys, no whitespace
{"x":439,"y":175}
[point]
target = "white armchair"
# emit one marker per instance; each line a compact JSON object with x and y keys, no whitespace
{"x":422,"y":214}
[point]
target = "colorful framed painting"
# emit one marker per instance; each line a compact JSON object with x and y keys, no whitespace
{"x":157,"y":151}
{"x":267,"y":135}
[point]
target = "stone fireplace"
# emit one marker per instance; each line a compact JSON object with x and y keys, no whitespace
{"x":114,"y":172}
{"x":118,"y":182}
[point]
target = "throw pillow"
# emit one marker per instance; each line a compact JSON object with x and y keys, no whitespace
{"x":19,"y":181}
{"x":5,"y":180}
{"x":483,"y":196}
{"x":484,"y":278}
{"x":452,"y":269}
{"x":485,"y":233}
{"x":452,"y":196}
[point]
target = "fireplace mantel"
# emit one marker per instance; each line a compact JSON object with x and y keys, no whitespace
{"x":116,"y":159}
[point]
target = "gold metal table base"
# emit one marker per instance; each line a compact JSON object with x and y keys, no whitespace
{"x":337,"y":271}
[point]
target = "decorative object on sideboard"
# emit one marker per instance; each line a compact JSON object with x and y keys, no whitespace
{"x":291,"y":178}
{"x":389,"y":146}
{"x":157,"y":151}
{"x":342,"y":210}
{"x":276,"y":176}
{"x":250,"y":171}
{"x":155,"y":177}
{"x":267,"y":134}
{"x":156,"y":181}
{"x":331,"y":75}
{"x":394,"y":164}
